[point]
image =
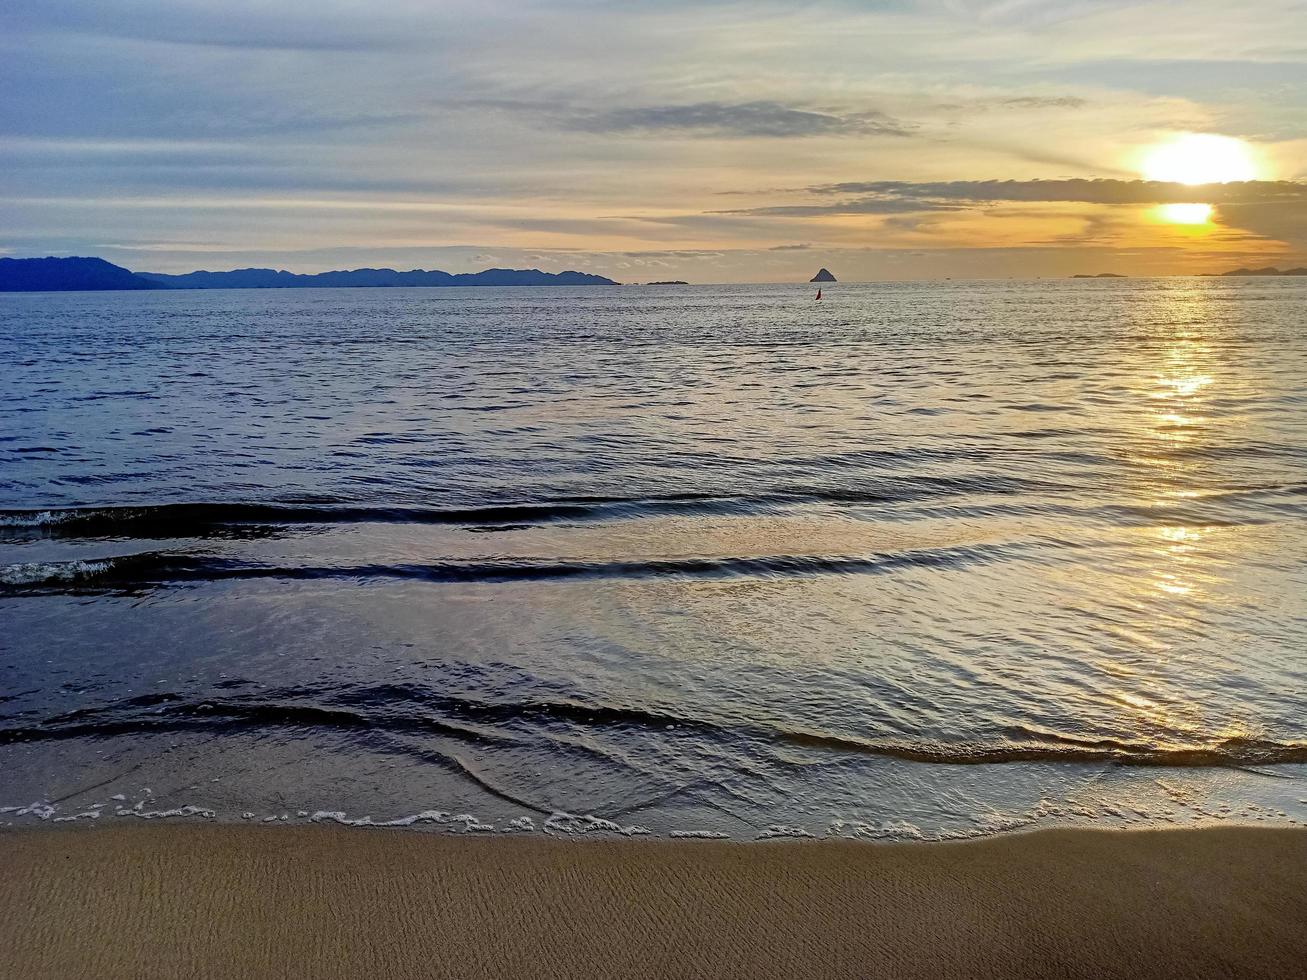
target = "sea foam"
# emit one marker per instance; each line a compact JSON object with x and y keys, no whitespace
{"x":43,"y":572}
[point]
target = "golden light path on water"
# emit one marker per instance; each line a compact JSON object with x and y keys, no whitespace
{"x":1186,"y":564}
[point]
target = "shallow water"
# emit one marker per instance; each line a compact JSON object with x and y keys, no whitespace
{"x":920,"y":560}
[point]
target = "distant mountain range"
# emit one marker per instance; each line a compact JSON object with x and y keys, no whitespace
{"x":61,"y":274}
{"x":1268,"y":271}
{"x":371,"y":278}
{"x":84,"y":273}
{"x":40,"y":275}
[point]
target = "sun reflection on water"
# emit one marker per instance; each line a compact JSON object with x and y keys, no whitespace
{"x":1175,"y":581}
{"x":1180,"y":560}
{"x":1182,"y":387}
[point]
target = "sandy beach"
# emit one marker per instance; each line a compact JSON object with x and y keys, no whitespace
{"x":221,"y":901}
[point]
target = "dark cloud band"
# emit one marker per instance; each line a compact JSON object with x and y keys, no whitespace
{"x":744,"y":119}
{"x":902,"y":197}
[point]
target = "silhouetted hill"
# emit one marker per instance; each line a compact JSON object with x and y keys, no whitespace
{"x":1268,"y":271}
{"x":822,"y":276}
{"x":1101,"y":275}
{"x":64,"y":274}
{"x":371,"y":278}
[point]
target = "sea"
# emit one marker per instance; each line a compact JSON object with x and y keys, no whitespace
{"x":917,"y":561}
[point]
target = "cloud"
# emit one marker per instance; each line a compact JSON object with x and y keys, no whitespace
{"x":237,"y":24}
{"x":1271,"y":210}
{"x":1035,"y":103}
{"x":542,"y":123}
{"x":675,"y":254}
{"x":738,"y":120}
{"x":904,"y":197}
{"x":1042,"y":102}
{"x":866,"y":205}
{"x":1083,"y":190}
{"x":1272,"y":221}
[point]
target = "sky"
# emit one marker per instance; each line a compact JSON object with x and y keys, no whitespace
{"x":655,"y":139}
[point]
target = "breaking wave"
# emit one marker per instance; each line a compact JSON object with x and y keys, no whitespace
{"x":159,"y":569}
{"x":404,"y":711}
{"x":38,"y":573}
{"x":208,"y":519}
{"x":983,"y":494}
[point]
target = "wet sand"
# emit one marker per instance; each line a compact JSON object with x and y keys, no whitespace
{"x":219,"y":901}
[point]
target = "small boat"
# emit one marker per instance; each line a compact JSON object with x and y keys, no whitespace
{"x":819,"y":294}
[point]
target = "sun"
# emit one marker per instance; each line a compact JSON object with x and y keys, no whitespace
{"x":1185,"y":214}
{"x":1200,"y":158}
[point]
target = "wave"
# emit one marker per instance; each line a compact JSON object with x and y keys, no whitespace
{"x":245,"y":519}
{"x":382,"y":710}
{"x":207,"y":518}
{"x":158,"y":569}
{"x":201,"y":519}
{"x":34,"y":518}
{"x":1238,"y":752}
{"x":27,"y":574}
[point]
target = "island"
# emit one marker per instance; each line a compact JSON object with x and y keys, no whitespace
{"x":53,"y":274}
{"x":669,"y":282}
{"x":1101,"y":275}
{"x":1267,"y":271}
{"x":823,"y":276}
{"x":67,"y":274}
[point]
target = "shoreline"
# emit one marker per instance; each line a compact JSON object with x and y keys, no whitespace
{"x":233,"y":901}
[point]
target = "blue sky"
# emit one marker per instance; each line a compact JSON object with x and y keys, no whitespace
{"x":644,"y":140}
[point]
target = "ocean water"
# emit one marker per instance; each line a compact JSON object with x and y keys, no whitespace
{"x":922,"y":560}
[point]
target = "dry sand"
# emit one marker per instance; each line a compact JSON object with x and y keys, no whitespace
{"x":218,"y":901}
